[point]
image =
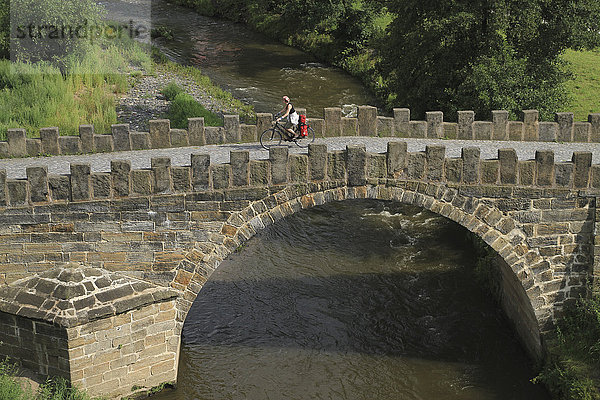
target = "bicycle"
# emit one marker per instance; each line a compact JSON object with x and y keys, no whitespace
{"x":277,"y":133}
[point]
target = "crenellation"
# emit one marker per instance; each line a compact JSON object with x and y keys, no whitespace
{"x":582,"y":132}
{"x":531,"y":125}
{"x":465,"y":124}
{"x":69,"y":144}
{"x":435,"y":120}
{"x":500,"y":125}
{"x":482,"y":130}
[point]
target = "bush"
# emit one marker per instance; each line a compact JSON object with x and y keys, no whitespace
{"x":185,"y":106}
{"x":171,"y":91}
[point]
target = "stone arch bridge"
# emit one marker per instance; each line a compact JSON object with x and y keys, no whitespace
{"x":103,"y":267}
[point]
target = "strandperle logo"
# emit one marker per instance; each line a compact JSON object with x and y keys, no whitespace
{"x":84,"y":30}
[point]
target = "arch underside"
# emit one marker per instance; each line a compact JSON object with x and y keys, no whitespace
{"x":532,"y":293}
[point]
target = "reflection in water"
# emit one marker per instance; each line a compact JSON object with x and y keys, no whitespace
{"x":353,"y":300}
{"x":254,"y":68}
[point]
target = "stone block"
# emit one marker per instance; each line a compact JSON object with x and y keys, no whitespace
{"x":101,"y":185}
{"x":418,"y":129}
{"x":582,"y":163}
{"x":565,"y":121}
{"x":333,"y":121}
{"x":318,"y":125}
{"x":231,"y":125}
{"x":594,"y":120}
{"x":402,"y":122}
{"x":264,"y":121}
{"x":450,"y":130}
{"x":260,"y":172}
{"x":221,"y":176}
{"x":500,"y":121}
{"x":453,"y":169}
{"x":38,"y":184}
{"x":34,"y":147}
{"x":298,"y":167}
{"x":161,"y":167}
{"x":367,"y":121}
{"x":396,"y":159}
{"x":527,"y":172}
{"x":200,"y":171}
{"x":317,"y":161}
{"x":86,"y":137}
{"x":182,"y":180}
{"x":530,"y":125}
{"x":563,"y":173}
{"x":489,"y":171}
{"x":515,"y":131}
{"x":548,"y":131}
{"x":69,"y":144}
{"x":17,"y":142}
{"x":435,"y":121}
{"x":482,"y":130}
{"x":279,"y":159}
{"x":60,"y":187}
{"x":356,"y":164}
{"x":141,"y":182}
{"x":595,"y":176}
{"x":81,"y":183}
{"x":434,"y":157}
{"x":471,"y":159}
{"x":179,"y":138}
{"x":214,"y":134}
{"x":4,"y":150}
{"x":248,"y":133}
{"x":103,"y":143}
{"x":376,"y":166}
{"x":120,"y":135}
{"x":3,"y":198}
{"x":140,"y":140}
{"x":415,"y":165}
{"x":349,"y":126}
{"x":49,"y":138}
{"x":196,"y":131}
{"x":385,"y":127}
{"x":508,"y":166}
{"x":544,"y":167}
{"x":17,"y":192}
{"x":160,"y":137}
{"x":336,"y":165}
{"x":582,"y":132}
{"x":120,"y":172}
{"x":239,"y":160}
{"x":465,"y":124}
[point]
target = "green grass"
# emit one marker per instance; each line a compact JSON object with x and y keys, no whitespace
{"x":572,"y":371}
{"x":52,"y":389}
{"x":37,"y":96}
{"x":185,"y":106}
{"x":584,"y":89}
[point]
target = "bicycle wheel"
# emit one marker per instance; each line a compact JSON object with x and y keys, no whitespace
{"x":270,"y":138}
{"x":306,"y":140}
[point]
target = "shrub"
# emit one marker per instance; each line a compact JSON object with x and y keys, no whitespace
{"x":185,"y":106}
{"x":171,"y":91}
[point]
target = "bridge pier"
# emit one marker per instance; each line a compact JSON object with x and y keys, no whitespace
{"x":108,"y":334}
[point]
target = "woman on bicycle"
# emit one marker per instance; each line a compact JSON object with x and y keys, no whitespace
{"x":292,"y":116}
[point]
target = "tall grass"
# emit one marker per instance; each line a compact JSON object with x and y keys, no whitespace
{"x":52,"y":389}
{"x":39,"y":95}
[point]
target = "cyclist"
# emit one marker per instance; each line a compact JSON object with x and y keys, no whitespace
{"x":291,"y":116}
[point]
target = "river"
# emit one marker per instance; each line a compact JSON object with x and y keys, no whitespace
{"x":352,"y":300}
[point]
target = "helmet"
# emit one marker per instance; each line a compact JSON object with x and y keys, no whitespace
{"x":286,"y":99}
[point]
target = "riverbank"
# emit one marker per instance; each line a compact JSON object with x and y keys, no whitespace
{"x":144,"y":100}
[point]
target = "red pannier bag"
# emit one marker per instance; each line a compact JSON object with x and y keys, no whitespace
{"x":303,"y":126}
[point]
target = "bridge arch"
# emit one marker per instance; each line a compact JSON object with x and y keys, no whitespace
{"x":522,"y":300}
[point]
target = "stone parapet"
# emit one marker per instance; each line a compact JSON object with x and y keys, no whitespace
{"x":333,"y":123}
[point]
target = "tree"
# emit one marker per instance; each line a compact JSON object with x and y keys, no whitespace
{"x":484,"y":55}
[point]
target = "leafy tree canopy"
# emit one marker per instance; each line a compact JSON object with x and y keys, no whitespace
{"x":484,"y":55}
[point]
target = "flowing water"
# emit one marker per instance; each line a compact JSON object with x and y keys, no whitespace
{"x":256,"y":69}
{"x":352,"y":300}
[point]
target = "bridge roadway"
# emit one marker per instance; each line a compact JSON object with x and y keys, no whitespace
{"x":140,"y":159}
